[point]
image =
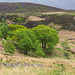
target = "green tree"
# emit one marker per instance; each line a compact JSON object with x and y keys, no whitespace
{"x":25,"y":38}
{"x":46,"y":35}
{"x":25,"y":44}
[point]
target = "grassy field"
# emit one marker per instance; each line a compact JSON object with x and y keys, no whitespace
{"x":55,"y":69}
{"x":57,"y":64}
{"x":60,"y":13}
{"x":66,"y":13}
{"x":40,"y":13}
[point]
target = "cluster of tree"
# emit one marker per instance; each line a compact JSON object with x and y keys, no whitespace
{"x":39,"y":40}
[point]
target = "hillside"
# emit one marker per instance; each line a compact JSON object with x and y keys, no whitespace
{"x":26,"y":7}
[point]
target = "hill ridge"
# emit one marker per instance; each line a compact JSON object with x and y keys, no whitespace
{"x":21,"y":7}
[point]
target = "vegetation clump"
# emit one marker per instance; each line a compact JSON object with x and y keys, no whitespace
{"x":9,"y":46}
{"x":39,"y":40}
{"x":47,"y":37}
{"x":14,"y":27}
{"x":4,"y":30}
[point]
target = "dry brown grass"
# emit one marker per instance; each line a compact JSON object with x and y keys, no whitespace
{"x":53,"y":12}
{"x":34,"y":18}
{"x":54,"y":66}
{"x":57,"y":69}
{"x":45,"y":61}
{"x":17,"y":71}
{"x":66,"y":35}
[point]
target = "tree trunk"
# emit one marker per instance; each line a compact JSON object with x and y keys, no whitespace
{"x":44,"y":45}
{"x":25,"y":52}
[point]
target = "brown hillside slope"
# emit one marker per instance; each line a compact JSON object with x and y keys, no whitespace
{"x":23,"y":7}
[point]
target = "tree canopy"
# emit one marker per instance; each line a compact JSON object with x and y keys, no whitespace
{"x":47,"y":36}
{"x":39,"y":40}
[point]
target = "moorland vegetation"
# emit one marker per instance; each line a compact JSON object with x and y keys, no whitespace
{"x":28,"y":40}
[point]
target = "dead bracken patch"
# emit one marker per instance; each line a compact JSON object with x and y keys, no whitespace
{"x":52,"y":12}
{"x":34,"y":18}
{"x":23,"y":59}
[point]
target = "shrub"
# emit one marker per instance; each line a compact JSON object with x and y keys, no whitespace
{"x":2,"y":20}
{"x":4,"y":29}
{"x":9,"y":46}
{"x":10,"y":34}
{"x":18,"y":19}
{"x":14,"y":27}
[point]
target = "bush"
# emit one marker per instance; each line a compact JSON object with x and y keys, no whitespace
{"x":2,"y":20}
{"x":18,"y":19}
{"x":14,"y":27}
{"x":9,"y":46}
{"x":10,"y":34}
{"x":4,"y":29}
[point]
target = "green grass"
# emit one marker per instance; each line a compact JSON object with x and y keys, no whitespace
{"x":73,"y":42}
{"x":73,"y":13}
{"x":61,"y":54}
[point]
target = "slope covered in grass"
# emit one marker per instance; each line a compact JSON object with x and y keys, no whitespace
{"x":58,"y":69}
